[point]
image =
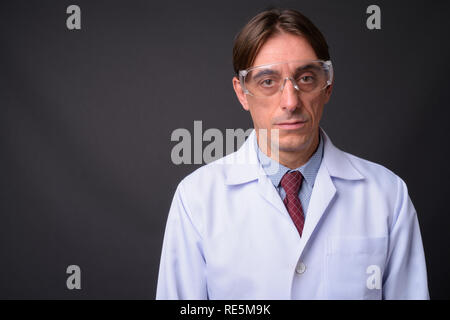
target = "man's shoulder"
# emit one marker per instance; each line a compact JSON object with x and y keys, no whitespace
{"x":349,"y":166}
{"x":374,"y":172}
{"x":212,"y":172}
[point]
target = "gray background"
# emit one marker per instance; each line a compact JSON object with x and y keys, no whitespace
{"x":86,"y":117}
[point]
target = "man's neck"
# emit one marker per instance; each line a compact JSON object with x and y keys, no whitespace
{"x":296,"y":159}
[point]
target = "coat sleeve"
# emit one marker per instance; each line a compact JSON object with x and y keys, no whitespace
{"x":405,"y":275}
{"x":182,"y":266}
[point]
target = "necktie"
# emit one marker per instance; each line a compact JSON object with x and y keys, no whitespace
{"x":291,"y":183}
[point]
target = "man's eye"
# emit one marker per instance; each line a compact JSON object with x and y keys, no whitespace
{"x":267,"y":83}
{"x":306,"y":79}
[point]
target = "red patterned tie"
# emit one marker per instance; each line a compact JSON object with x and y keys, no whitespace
{"x":291,"y":183}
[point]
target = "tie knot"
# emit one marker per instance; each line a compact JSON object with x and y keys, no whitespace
{"x":291,"y":182}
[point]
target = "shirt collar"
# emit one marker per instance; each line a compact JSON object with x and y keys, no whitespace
{"x":308,"y":170}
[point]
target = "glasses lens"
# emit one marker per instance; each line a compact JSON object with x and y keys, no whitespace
{"x":266,"y":81}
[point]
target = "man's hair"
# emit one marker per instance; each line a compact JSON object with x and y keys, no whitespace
{"x":268,"y":23}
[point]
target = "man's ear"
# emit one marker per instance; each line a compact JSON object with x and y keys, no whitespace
{"x":328,"y":92}
{"x":240,"y":93}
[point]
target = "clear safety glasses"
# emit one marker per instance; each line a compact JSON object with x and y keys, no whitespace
{"x":269,"y":79}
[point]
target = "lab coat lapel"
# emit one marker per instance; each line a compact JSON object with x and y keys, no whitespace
{"x":323,"y":192}
{"x":268,"y":192}
{"x":246,"y":167}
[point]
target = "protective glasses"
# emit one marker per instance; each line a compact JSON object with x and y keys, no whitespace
{"x":269,"y":79}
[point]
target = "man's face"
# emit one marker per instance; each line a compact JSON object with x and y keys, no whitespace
{"x":289,"y":105}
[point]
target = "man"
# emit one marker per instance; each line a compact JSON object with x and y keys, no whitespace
{"x":324,"y":225}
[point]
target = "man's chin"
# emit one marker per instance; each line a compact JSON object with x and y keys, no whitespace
{"x":292,"y":146}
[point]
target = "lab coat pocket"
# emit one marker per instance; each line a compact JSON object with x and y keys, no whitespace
{"x":354,"y":267}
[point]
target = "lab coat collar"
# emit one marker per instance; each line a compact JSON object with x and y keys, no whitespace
{"x":337,"y":161}
{"x":245,"y":166}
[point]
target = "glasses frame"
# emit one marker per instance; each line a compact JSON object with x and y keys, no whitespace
{"x":243,"y":74}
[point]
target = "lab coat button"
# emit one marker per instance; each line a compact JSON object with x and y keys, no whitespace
{"x":301,"y":268}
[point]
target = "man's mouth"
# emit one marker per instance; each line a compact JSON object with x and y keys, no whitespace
{"x":290,"y":125}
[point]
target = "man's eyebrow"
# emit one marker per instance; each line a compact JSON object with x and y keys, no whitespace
{"x":307,"y":67}
{"x":264,"y":72}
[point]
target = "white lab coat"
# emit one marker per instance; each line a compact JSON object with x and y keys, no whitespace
{"x":229,"y":235}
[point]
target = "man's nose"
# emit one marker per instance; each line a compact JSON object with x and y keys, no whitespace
{"x":289,"y":94}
